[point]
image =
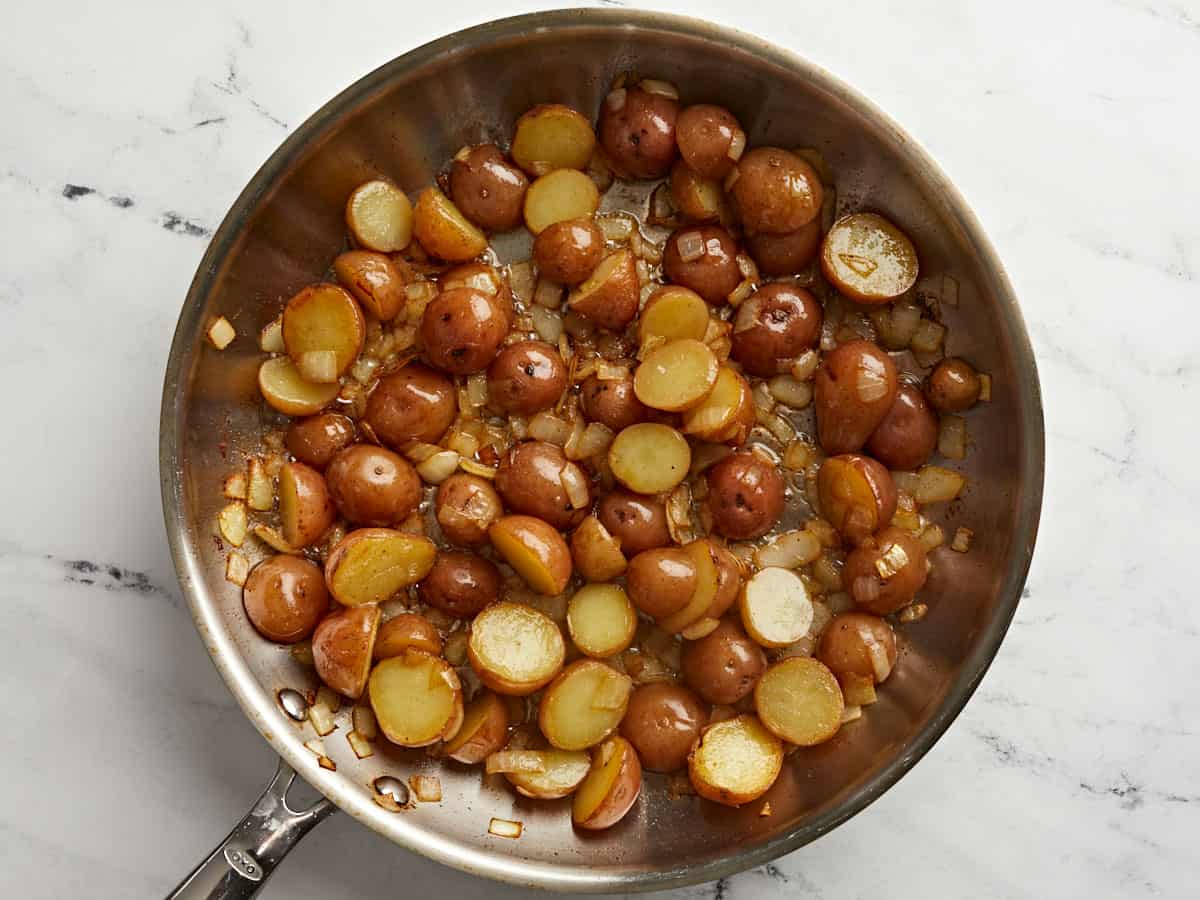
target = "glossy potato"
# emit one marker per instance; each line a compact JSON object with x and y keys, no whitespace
{"x":637,"y":521}
{"x":515,"y":649}
{"x":561,"y":195}
{"x":611,"y":787}
{"x":908,"y":433}
{"x":710,"y":139}
{"x":375,"y":281}
{"x":526,"y":377}
{"x":535,"y":550}
{"x":373,"y":486}
{"x":552,"y":136}
{"x":663,"y":721}
{"x":745,"y":495}
{"x":852,"y":391}
{"x":484,"y":730}
{"x":857,"y":495}
{"x":413,"y":404}
{"x":596,"y":552}
{"x":417,"y":699}
{"x":285,"y":597}
{"x":860,"y":645}
{"x":785,"y":254}
{"x":462,"y":329}
{"x":306,"y":508}
{"x":487,"y":188}
{"x":799,"y":701}
{"x":703,"y":258}
{"x":466,"y":506}
{"x":583,"y":705}
{"x":443,"y":230}
{"x":735,"y":761}
{"x":405,"y":631}
{"x":370,"y":565}
{"x":868,"y":259}
{"x":637,"y":131}
{"x":460,"y":583}
{"x":568,"y":252}
{"x":612,"y":402}
{"x":609,"y":296}
{"x":775,"y":325}
{"x":315,"y":440}
{"x":533,"y":479}
{"x":323,"y":330}
{"x":886,"y":572}
{"x":342,"y":648}
{"x":776,"y":191}
{"x":649,"y":458}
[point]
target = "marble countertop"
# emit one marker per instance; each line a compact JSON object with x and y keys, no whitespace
{"x":1075,"y":770}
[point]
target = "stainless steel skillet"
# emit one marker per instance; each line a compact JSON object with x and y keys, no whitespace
{"x":404,"y":120}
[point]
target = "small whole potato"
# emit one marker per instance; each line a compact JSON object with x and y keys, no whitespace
{"x":858,"y":644}
{"x":414,"y":404}
{"x":704,"y":259}
{"x":285,"y":597}
{"x":857,"y":495}
{"x":315,"y":440}
{"x":775,"y":325}
{"x":466,"y":507}
{"x":637,"y":132}
{"x":785,"y":254}
{"x":723,"y":666}
{"x":487,"y":188}
{"x":908,"y":434}
{"x":638,"y":521}
{"x":460,"y":584}
{"x":662,"y":722}
{"x":852,"y":391}
{"x":661,"y":581}
{"x":710,"y":138}
{"x":530,"y":480}
{"x":373,"y":486}
{"x":462,"y":330}
{"x":568,"y":252}
{"x":895,"y":551}
{"x":612,"y":402}
{"x":526,"y":377}
{"x":375,"y":281}
{"x":776,"y":191}
{"x":745,"y":495}
{"x":953,"y":386}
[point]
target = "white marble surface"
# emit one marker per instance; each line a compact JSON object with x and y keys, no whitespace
{"x":1075,"y":771}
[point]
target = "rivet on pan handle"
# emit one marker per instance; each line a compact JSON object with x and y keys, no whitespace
{"x":242,"y":863}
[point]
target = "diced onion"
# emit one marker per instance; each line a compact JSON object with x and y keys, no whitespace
{"x":547,"y":323}
{"x":790,"y":392}
{"x":546,"y":426}
{"x":505,"y":828}
{"x":789,"y":550}
{"x":952,"y":437}
{"x":221,"y":333}
{"x":575,"y":484}
{"x":504,"y":761}
{"x":233,"y":523}
{"x":690,"y":246}
{"x":962,"y":540}
{"x":426,"y":788}
{"x":270,"y":339}
{"x":237,"y":568}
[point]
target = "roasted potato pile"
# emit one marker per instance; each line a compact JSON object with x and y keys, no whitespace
{"x":652,"y":499}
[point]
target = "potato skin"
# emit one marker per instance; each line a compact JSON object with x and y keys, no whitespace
{"x":462,"y":330}
{"x":529,"y":481}
{"x":639,"y":138}
{"x":776,"y":191}
{"x":315,"y":440}
{"x":285,"y":596}
{"x":723,"y":666}
{"x":526,"y":377}
{"x":567,"y":252}
{"x":661,"y":581}
{"x":612,"y":402}
{"x":785,"y":254}
{"x":460,"y":584}
{"x":861,"y":579}
{"x":908,"y":434}
{"x":343,"y":645}
{"x":704,"y":133}
{"x":857,"y":495}
{"x":466,"y":506}
{"x":662,"y":722}
{"x":844,"y":418}
{"x":640,"y":522}
{"x":715,"y":274}
{"x":844,"y":644}
{"x":745,"y":495}
{"x":488,"y":189}
{"x":414,"y":404}
{"x":953,"y":386}
{"x":778,"y":323}
{"x":373,"y":486}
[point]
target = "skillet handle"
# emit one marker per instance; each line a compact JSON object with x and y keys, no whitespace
{"x":244,"y":861}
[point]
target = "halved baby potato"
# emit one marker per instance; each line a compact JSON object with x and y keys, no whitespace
{"x":868,"y":259}
{"x":601,"y":620}
{"x":417,"y":699}
{"x":342,"y":647}
{"x":649,"y":458}
{"x":775,"y":607}
{"x":610,"y":295}
{"x":370,"y":565}
{"x":443,"y":230}
{"x":735,"y":761}
{"x":707,"y":582}
{"x":798,"y":699}
{"x":515,"y":649}
{"x":550,"y":774}
{"x":673,"y":313}
{"x":323,"y":330}
{"x":726,"y":414}
{"x":552,"y":136}
{"x":557,"y":196}
{"x":583,"y":705}
{"x":407,"y":631}
{"x":596,"y":552}
{"x":677,"y":375}
{"x":285,"y":389}
{"x":306,"y":509}
{"x":380,"y":216}
{"x":612,"y":786}
{"x":484,"y":730}
{"x":535,"y":550}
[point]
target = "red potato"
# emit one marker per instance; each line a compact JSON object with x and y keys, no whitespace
{"x":637,"y":131}
{"x":885,"y":573}
{"x":778,"y":323}
{"x":285,"y":596}
{"x":460,"y":584}
{"x":857,"y":495}
{"x":776,"y":191}
{"x":611,"y":787}
{"x":305,"y":508}
{"x":414,"y":404}
{"x":703,"y":258}
{"x":375,"y":281}
{"x":908,"y":434}
{"x":373,"y":486}
{"x":853,"y":390}
{"x":342,"y":648}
